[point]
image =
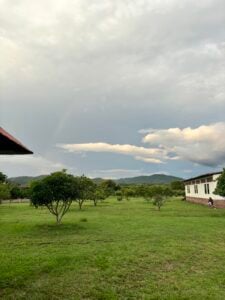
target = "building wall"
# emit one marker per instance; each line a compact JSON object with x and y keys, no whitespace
{"x":204,"y":201}
{"x":201,"y":196}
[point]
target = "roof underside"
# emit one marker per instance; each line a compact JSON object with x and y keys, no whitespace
{"x":10,"y":145}
{"x":202,"y":176}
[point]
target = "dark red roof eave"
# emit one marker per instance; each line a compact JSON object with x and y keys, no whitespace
{"x":10,"y":145}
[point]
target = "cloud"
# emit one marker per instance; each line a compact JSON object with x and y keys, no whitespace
{"x":78,"y":71}
{"x":204,"y":145}
{"x":115,"y":173}
{"x":140,"y":153}
{"x":149,"y":160}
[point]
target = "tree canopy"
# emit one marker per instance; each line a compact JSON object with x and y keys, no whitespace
{"x":220,"y":188}
{"x":3,"y":177}
{"x":56,"y":192}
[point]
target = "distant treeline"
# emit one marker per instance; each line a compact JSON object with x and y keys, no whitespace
{"x":150,"y":179}
{"x":104,"y":188}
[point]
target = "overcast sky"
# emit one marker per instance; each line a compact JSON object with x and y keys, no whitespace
{"x":114,"y":88}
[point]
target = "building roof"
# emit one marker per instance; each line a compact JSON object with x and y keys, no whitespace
{"x":10,"y":145}
{"x":203,"y":176}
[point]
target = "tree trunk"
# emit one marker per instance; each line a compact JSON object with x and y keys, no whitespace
{"x":80,"y":204}
{"x":58,"y":220}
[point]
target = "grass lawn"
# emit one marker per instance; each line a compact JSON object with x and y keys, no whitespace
{"x":117,"y":250}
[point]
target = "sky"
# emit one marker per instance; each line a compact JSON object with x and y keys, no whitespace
{"x":113,"y":88}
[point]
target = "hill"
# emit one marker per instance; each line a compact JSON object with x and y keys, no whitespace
{"x":25,"y":180}
{"x":151,"y":179}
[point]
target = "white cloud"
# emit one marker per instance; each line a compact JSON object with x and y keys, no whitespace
{"x":152,"y":155}
{"x":204,"y":145}
{"x":149,"y":159}
{"x":115,"y":173}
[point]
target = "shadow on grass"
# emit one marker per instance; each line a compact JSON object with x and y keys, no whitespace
{"x":65,"y":228}
{"x":89,"y":207}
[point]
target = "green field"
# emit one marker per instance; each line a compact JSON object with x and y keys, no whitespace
{"x":117,"y":250}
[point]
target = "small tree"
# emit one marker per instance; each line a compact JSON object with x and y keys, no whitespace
{"x":159,"y":201}
{"x":150,"y":191}
{"x":56,"y":192}
{"x":119,"y":195}
{"x":128,"y":192}
{"x":220,"y":188}
{"x":147,"y":193}
{"x":86,"y":189}
{"x":98,"y":195}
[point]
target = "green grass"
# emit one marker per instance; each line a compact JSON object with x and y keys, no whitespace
{"x":117,"y":250}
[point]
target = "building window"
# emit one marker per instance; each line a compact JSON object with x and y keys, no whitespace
{"x":207,"y":191}
{"x":196,"y":188}
{"x":188,"y":189}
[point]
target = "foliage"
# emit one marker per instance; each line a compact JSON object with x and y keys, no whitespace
{"x":25,"y":192}
{"x":159,"y":201}
{"x":3,"y":177}
{"x":177,"y":185}
{"x":148,"y":192}
{"x":4,"y":191}
{"x":220,"y":188}
{"x":56,"y":192}
{"x":109,"y":187}
{"x":86,"y":189}
{"x":99,"y":194}
{"x":177,"y":188}
{"x":15,"y":192}
{"x":128,"y":192}
{"x":119,"y":195}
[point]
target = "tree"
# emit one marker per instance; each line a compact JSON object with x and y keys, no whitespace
{"x":3,"y":177}
{"x":86,"y":188}
{"x":149,"y":192}
{"x":15,"y":192}
{"x":220,"y":188}
{"x":98,"y":195}
{"x":177,"y":185}
{"x":4,"y":192}
{"x":128,"y":192}
{"x":119,"y":195}
{"x":177,"y":188}
{"x":167,"y":191}
{"x":109,"y":187}
{"x":56,"y":192}
{"x":158,"y":201}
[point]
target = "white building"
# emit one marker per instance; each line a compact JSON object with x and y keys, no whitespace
{"x":199,"y":189}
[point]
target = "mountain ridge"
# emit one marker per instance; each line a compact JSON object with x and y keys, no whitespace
{"x":144,"y":179}
{"x":149,"y":179}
